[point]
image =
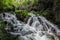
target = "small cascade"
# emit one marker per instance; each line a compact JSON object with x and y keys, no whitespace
{"x":36,"y":28}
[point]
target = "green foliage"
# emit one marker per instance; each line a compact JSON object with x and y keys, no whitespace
{"x":23,"y":12}
{"x":27,"y":2}
{"x":45,"y":12}
{"x":40,"y":12}
{"x":3,"y":34}
{"x":36,"y":13}
{"x":9,"y":3}
{"x":6,"y":3}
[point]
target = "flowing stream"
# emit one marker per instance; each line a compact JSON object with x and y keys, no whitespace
{"x":36,"y":28}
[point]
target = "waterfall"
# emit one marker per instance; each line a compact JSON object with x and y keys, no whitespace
{"x":39,"y":28}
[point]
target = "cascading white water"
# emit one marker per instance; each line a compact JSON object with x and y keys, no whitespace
{"x":39,"y":29}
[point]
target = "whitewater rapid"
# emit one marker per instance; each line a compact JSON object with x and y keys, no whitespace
{"x":36,"y":28}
